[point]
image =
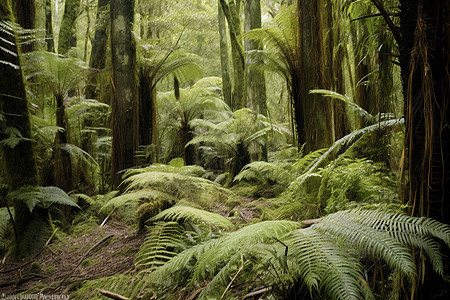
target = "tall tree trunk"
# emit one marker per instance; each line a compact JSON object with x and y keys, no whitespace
{"x":49,"y":26}
{"x":97,"y":59}
{"x":424,"y":42}
{"x":62,"y":162}
{"x":123,"y":65}
{"x":226,"y":81}
{"x":145,"y":119}
{"x":231,"y":10}
{"x":256,"y":81}
{"x":19,"y":161}
{"x":25,"y":14}
{"x":315,"y":65}
{"x":256,"y":84}
{"x":66,"y":31}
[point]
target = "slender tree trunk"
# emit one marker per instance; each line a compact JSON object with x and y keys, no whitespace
{"x":256,"y":84}
{"x":49,"y":26}
{"x":97,"y":59}
{"x":226,"y":81}
{"x":65,"y":41}
{"x":145,"y":119}
{"x":62,"y":162}
{"x":231,"y":10}
{"x":124,"y":87}
{"x":19,"y":161}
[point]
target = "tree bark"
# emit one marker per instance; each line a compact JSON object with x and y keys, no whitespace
{"x":124,"y":85}
{"x":231,"y":10}
{"x":97,"y":59}
{"x":226,"y":81}
{"x":25,"y":14}
{"x":256,"y":85}
{"x":68,"y":25}
{"x":19,"y":161}
{"x":49,"y":26}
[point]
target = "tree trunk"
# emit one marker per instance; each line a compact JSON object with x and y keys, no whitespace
{"x":123,"y":66}
{"x":66,"y":31}
{"x":226,"y":81}
{"x":19,"y":161}
{"x":145,"y":119}
{"x":424,"y":58}
{"x":49,"y":26}
{"x":315,"y":69}
{"x":97,"y":59}
{"x":25,"y":13}
{"x":238,"y":98}
{"x":256,"y":85}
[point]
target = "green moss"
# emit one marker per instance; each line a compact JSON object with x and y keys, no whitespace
{"x":233,"y":202}
{"x":85,"y":227}
{"x":50,"y":269}
{"x":35,"y":267}
{"x":74,"y":248}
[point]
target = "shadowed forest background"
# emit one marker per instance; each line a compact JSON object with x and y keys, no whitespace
{"x":225,"y":149}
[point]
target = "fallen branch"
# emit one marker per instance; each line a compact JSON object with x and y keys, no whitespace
{"x":256,"y":293}
{"x":81,"y":260}
{"x":112,"y":295}
{"x":307,"y":223}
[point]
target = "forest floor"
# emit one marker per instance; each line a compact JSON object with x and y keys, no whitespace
{"x":89,"y":252}
{"x":102,"y":252}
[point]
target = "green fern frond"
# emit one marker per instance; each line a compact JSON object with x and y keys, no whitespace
{"x":204,"y":261}
{"x":353,"y":234}
{"x":162,"y":243}
{"x":198,"y":190}
{"x":182,"y":213}
{"x":323,"y":266}
{"x":301,"y":166}
{"x":4,"y":227}
{"x":127,"y":285}
{"x":56,"y":195}
{"x":126,"y":206}
{"x":262,"y":172}
{"x":79,"y":154}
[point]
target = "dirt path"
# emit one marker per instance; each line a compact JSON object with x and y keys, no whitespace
{"x":114,"y":255}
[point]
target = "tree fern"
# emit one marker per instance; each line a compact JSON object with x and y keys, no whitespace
{"x":196,"y":190}
{"x":126,"y":206}
{"x":182,"y":213}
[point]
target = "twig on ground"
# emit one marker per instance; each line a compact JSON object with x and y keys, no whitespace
{"x":112,"y":295}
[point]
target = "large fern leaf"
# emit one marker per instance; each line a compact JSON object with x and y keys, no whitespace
{"x":182,"y":213}
{"x":160,"y":245}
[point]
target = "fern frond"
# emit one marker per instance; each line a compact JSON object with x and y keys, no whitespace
{"x":56,"y":195}
{"x":182,"y":213}
{"x":127,"y":205}
{"x":301,"y":166}
{"x":4,"y":226}
{"x":204,"y":261}
{"x":197,"y":190}
{"x":323,"y":266}
{"x":161,"y":244}
{"x":343,"y":228}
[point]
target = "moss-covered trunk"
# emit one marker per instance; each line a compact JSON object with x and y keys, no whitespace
{"x":124,"y":85}
{"x":18,"y":160}
{"x":231,"y":10}
{"x":68,"y":25}
{"x":98,"y":53}
{"x":25,"y":15}
{"x":425,"y":63}
{"x":49,"y":26}
{"x":223,"y":43}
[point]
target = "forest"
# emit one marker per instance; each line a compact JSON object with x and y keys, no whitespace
{"x":224,"y":149}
